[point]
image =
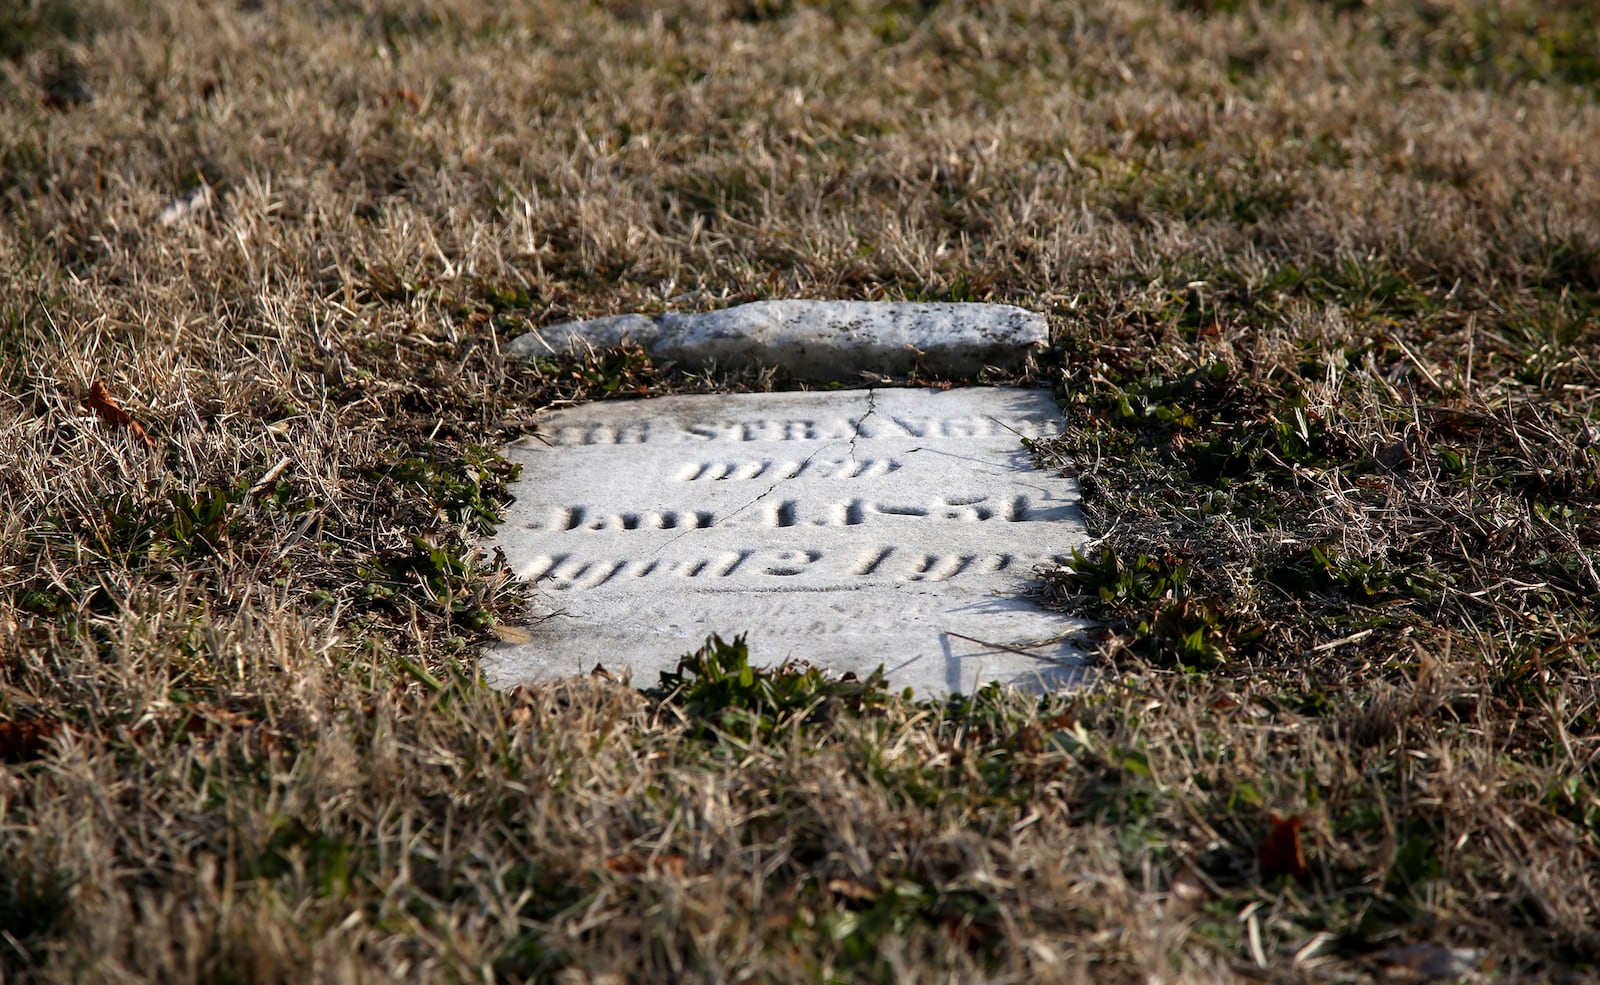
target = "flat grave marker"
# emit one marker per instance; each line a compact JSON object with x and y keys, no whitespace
{"x":848,"y":529}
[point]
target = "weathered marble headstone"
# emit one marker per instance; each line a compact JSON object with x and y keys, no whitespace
{"x":818,"y":340}
{"x":849,"y":529}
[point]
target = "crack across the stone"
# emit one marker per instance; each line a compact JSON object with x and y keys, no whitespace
{"x":872,"y":398}
{"x":770,"y":489}
{"x":872,"y":405}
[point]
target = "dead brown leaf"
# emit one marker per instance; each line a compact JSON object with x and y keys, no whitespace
{"x":853,"y":889}
{"x":25,"y":740}
{"x":400,"y":94}
{"x":1281,"y":853}
{"x":108,"y":410}
{"x":208,"y":719}
{"x":510,"y":634}
{"x":638,"y":865}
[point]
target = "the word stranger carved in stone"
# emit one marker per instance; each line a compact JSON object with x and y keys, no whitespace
{"x":847,"y":529}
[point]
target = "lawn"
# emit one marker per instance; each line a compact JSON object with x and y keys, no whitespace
{"x":1323,"y":278}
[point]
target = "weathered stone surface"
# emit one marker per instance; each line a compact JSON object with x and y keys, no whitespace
{"x":849,"y":529}
{"x":818,"y":340}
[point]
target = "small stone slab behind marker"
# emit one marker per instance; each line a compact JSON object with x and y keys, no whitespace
{"x":818,"y":340}
{"x":848,"y":529}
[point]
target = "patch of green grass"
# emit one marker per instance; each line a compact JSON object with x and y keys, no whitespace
{"x":1500,"y":46}
{"x":1194,"y":634}
{"x":1314,"y":568}
{"x":716,"y":687}
{"x":292,"y":850}
{"x":1271,"y":449}
{"x":133,"y":531}
{"x":621,"y":371}
{"x":207,"y":521}
{"x":439,"y":575}
{"x":1368,"y":289}
{"x":715,"y":197}
{"x":1123,"y":586}
{"x":468,"y":488}
{"x":1207,"y":195}
{"x":860,"y":923}
{"x":27,"y":25}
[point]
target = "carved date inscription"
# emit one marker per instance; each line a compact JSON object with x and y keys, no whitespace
{"x":904,"y":526}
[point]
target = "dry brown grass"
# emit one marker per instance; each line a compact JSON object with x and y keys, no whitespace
{"x":1322,"y":273}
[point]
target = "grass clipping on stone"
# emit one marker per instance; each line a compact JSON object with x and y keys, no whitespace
{"x":1324,"y":280}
